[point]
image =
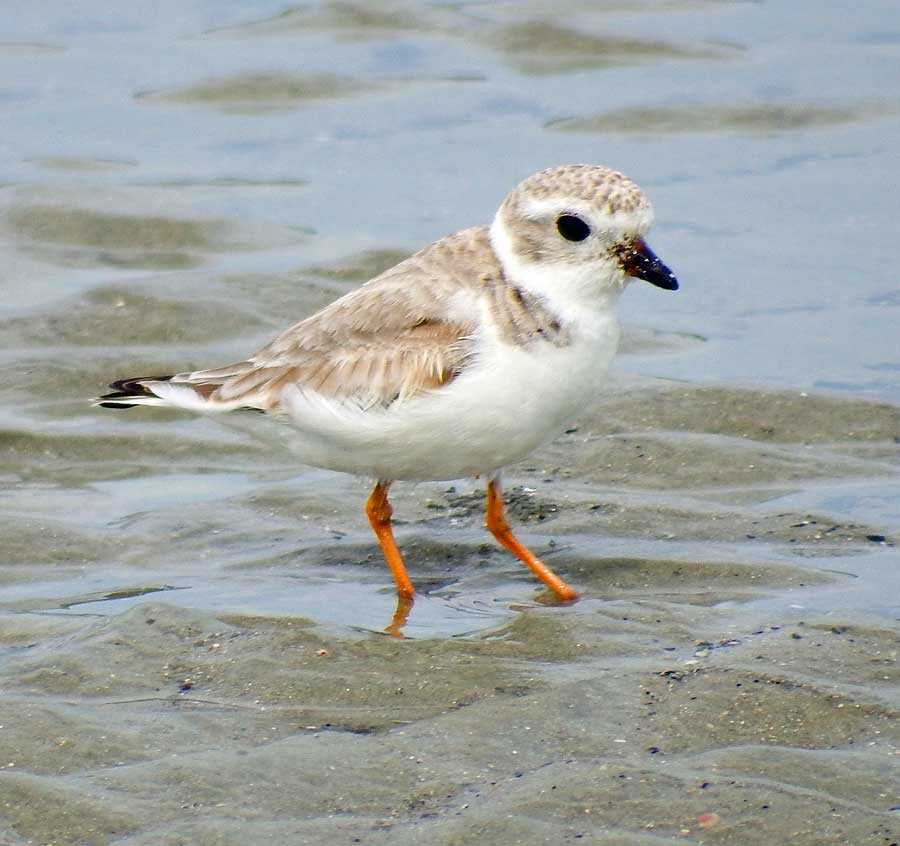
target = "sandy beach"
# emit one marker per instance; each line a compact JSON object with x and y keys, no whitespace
{"x":192,"y":644}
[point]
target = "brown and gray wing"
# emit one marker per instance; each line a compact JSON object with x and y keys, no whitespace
{"x":409,"y":330}
{"x":367,"y":371}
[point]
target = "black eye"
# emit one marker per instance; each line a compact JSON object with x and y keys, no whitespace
{"x":572,"y":228}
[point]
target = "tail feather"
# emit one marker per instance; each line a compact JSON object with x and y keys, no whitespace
{"x":189,"y":391}
{"x":131,"y":389}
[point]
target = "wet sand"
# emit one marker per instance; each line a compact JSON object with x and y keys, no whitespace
{"x":192,"y":627}
{"x":701,"y":689}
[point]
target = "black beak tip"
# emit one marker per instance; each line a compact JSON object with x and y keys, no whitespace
{"x":670,"y":284}
{"x":639,"y":261}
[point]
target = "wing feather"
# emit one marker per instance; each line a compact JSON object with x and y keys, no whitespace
{"x":404,"y":332}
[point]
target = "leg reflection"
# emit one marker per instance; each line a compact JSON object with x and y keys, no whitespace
{"x":401,"y":615}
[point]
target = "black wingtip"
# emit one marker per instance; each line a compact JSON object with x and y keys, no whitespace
{"x":132,"y":385}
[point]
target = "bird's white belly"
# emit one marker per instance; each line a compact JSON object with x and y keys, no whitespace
{"x":497,"y":411}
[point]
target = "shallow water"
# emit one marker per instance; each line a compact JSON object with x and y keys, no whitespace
{"x":192,"y":625}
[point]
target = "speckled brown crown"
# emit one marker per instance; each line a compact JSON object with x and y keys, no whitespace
{"x":600,"y":187}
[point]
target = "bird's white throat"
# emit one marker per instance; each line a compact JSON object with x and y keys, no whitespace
{"x":572,"y":290}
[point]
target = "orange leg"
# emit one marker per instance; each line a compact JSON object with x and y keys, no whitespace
{"x":379,"y":511}
{"x":499,"y":528}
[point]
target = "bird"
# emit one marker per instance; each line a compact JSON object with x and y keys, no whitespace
{"x":457,"y":362}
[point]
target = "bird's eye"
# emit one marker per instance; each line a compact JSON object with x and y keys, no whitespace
{"x":572,"y":228}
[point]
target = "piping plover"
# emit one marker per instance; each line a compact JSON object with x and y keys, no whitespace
{"x":458,"y":361}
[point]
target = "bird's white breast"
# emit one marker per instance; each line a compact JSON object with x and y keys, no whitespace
{"x":506,"y":402}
